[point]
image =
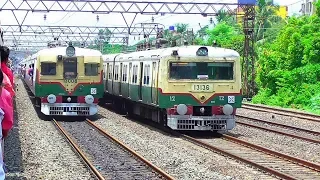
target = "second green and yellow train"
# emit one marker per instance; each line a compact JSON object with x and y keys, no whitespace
{"x":184,"y":88}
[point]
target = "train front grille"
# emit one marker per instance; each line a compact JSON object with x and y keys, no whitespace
{"x":65,"y":109}
{"x":191,"y":124}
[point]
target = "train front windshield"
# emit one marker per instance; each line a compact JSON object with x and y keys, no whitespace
{"x":70,"y":68}
{"x":201,"y":70}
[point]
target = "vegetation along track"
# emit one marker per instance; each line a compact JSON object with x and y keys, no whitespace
{"x":292,"y":131}
{"x":285,"y":112}
{"x":278,"y":164}
{"x":106,"y":156}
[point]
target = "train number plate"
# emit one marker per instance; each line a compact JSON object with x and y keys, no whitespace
{"x":70,"y":80}
{"x":202,"y":87}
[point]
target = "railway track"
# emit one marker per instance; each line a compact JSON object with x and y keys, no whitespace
{"x":275,"y":163}
{"x":285,"y":112}
{"x":291,"y":131}
{"x":107,"y":157}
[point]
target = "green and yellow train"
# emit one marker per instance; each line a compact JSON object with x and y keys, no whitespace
{"x":66,"y":81}
{"x":184,"y":88}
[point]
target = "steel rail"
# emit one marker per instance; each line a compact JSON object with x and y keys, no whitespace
{"x":279,"y":132}
{"x":299,"y":115}
{"x":310,"y":165}
{"x":213,"y":148}
{"x":82,"y":155}
{"x":158,"y":170}
{"x":278,"y":124}
{"x":282,"y":109}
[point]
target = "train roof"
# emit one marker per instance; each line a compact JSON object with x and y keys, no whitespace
{"x":62,"y":51}
{"x":183,"y":51}
{"x":110,"y":56}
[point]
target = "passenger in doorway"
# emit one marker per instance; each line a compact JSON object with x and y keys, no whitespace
{"x":7,"y":73}
{"x":6,"y":119}
{"x":2,"y":172}
{"x":4,"y":60}
{"x":6,"y":105}
{"x":6,"y":84}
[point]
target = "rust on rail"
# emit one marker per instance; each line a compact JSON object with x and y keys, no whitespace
{"x":158,"y":170}
{"x":267,"y":169}
{"x":308,"y":164}
{"x":83,"y":156}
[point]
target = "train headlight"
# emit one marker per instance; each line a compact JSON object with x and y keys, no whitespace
{"x":202,"y":110}
{"x":51,"y":98}
{"x":89,"y":99}
{"x":227,"y":109}
{"x":182,"y":109}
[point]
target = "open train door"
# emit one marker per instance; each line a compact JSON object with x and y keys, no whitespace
{"x":154,"y":83}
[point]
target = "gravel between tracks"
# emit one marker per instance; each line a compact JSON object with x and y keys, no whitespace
{"x":113,"y":162}
{"x":285,"y":144}
{"x":179,"y":158}
{"x":287,"y":120}
{"x":45,"y":154}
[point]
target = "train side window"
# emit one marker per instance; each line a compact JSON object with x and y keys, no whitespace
{"x":116,"y":72}
{"x":146,"y":75}
{"x":117,"y":75}
{"x":136,"y":75}
{"x":104,"y":71}
{"x":124,"y":73}
{"x":48,"y":68}
{"x":110,"y":71}
{"x":133,"y":72}
{"x":126,"y":76}
{"x":91,"y":69}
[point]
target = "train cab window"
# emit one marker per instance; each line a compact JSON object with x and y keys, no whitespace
{"x":201,"y":70}
{"x":70,"y":68}
{"x":48,"y":68}
{"x":91,"y":69}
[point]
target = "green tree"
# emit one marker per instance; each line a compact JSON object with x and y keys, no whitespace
{"x":181,"y":27}
{"x":104,"y":35}
{"x":288,"y":71}
{"x":265,"y":17}
{"x":223,"y":16}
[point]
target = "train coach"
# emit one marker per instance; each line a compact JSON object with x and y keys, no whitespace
{"x":184,"y":88}
{"x":65,"y":81}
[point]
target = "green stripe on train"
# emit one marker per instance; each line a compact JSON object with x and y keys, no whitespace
{"x":165,"y":101}
{"x":42,"y":90}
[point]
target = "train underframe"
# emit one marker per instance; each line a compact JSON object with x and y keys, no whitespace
{"x":218,"y":123}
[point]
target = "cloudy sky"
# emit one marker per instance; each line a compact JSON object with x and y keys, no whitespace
{"x":115,"y":19}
